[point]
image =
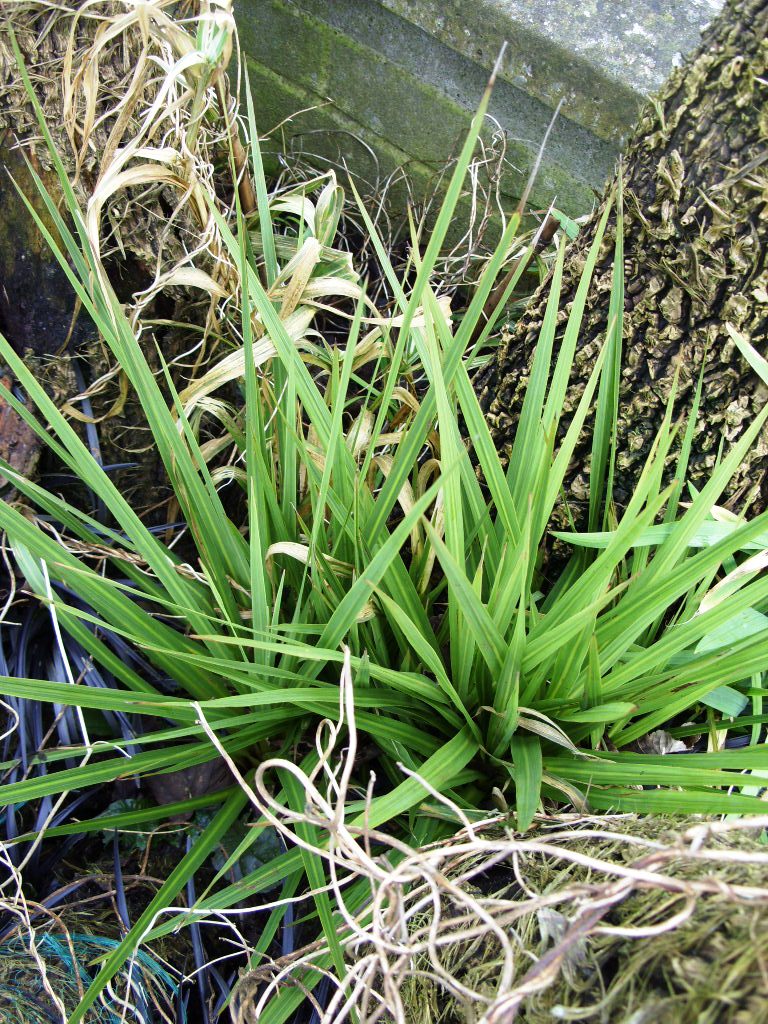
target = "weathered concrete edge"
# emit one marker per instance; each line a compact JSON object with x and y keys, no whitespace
{"x":641,"y":38}
{"x":404,"y":76}
{"x":362,"y":90}
{"x":422,"y":54}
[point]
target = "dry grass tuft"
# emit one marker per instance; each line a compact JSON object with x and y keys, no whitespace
{"x":598,"y":918}
{"x":618,"y":918}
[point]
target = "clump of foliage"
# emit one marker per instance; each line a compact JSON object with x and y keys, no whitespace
{"x":369,"y":535}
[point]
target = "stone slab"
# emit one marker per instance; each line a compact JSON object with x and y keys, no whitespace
{"x":401,"y":78}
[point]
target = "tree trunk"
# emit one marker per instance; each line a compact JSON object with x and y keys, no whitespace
{"x":696,"y":238}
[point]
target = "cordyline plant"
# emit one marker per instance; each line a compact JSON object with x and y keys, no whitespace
{"x":370,"y":537}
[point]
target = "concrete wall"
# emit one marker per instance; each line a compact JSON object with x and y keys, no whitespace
{"x":392,"y":83}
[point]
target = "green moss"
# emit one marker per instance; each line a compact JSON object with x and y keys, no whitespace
{"x":319,"y":130}
{"x":286,"y":41}
{"x":393,"y":103}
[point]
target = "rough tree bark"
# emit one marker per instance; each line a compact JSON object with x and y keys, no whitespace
{"x":696,"y":245}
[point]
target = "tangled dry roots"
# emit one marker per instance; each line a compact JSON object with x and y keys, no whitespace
{"x":617,"y":919}
{"x":610,"y":918}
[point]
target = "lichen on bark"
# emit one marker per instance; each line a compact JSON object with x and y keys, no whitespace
{"x":695,"y":179}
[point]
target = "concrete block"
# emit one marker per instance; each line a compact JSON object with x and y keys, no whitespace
{"x":602,"y":56}
{"x":394,"y":103}
{"x":298,"y":125}
{"x":404,"y":77}
{"x":281,"y":37}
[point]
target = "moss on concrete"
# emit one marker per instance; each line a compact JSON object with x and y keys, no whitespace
{"x":602,"y":57}
{"x":288,"y":42}
{"x":305,"y":124}
{"x":395,"y":105}
{"x":406,"y":75}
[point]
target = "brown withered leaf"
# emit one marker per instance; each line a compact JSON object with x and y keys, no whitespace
{"x":19,"y":445}
{"x":186,"y":783}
